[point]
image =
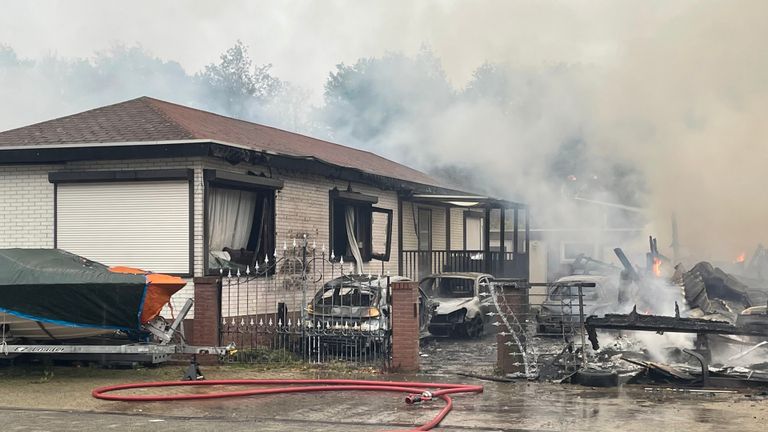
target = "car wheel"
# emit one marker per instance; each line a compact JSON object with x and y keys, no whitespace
{"x":474,"y":328}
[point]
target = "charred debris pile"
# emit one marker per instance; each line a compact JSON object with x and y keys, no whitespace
{"x":714,"y":332}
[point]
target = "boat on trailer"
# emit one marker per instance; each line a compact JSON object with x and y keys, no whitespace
{"x":51,"y":295}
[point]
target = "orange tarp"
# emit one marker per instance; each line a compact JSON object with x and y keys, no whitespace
{"x":159,"y":290}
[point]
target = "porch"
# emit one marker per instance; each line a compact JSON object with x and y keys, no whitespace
{"x":462,"y":233}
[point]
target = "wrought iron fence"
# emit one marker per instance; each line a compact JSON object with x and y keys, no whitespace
{"x":305,"y":306}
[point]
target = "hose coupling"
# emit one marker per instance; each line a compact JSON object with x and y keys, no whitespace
{"x":413,"y":399}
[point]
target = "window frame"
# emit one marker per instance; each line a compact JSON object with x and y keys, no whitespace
{"x":470,"y":214}
{"x":388,"y":246}
{"x":228,"y":180}
{"x":363,"y":203}
{"x":419,"y":211}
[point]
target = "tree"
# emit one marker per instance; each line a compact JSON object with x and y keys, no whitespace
{"x":234,"y":84}
{"x":374,"y":96}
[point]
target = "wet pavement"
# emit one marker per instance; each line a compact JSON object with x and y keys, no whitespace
{"x":444,"y":357}
{"x":503,"y":407}
{"x":65,"y":404}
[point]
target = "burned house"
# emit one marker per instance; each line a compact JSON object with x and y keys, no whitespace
{"x":168,"y":188}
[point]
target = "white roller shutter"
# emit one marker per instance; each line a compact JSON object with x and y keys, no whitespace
{"x":142,"y":224}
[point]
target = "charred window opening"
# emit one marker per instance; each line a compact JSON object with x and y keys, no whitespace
{"x":359,"y":231}
{"x":240,"y":221}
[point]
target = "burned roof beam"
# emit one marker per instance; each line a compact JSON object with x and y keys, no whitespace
{"x":663,"y":324}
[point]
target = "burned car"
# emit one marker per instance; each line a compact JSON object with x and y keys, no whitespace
{"x":463,"y":303}
{"x":560,"y":311}
{"x":358,"y":304}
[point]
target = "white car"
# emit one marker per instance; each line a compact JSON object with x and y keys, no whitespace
{"x":463,"y":303}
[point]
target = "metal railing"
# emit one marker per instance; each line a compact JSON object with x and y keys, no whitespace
{"x":417,"y":264}
{"x":265,"y":311}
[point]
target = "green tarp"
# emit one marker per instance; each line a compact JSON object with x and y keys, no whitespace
{"x":51,"y":285}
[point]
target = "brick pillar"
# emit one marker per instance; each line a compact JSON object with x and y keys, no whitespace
{"x":405,"y":326}
{"x":205,"y":326}
{"x":509,"y":358}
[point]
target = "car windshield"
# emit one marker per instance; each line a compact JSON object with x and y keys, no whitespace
{"x":345,"y":296}
{"x":449,"y":287}
{"x":571,"y":293}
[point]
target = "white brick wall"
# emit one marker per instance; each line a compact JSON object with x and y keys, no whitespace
{"x":26,"y":207}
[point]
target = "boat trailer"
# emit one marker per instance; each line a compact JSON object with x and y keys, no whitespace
{"x":148,"y":352}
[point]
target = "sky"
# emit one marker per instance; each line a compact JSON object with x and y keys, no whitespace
{"x":304,"y":40}
{"x":677,"y":89}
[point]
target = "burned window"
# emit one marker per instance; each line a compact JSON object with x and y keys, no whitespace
{"x":381,"y":233}
{"x":239,"y":220}
{"x":356,"y":226}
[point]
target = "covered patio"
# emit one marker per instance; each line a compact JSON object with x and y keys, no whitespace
{"x":462,"y":233}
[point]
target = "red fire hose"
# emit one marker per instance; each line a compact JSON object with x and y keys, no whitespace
{"x":417,"y":391}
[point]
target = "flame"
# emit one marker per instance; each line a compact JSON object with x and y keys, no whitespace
{"x":656,"y":267}
{"x":741,"y":258}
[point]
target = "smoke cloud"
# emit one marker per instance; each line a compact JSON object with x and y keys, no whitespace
{"x":685,"y":103}
{"x":649,"y":104}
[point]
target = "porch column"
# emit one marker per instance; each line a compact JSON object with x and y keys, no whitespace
{"x":487,"y":241}
{"x":515,"y":234}
{"x":502,"y":239}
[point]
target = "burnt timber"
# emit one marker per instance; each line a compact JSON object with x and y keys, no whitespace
{"x":634,"y":321}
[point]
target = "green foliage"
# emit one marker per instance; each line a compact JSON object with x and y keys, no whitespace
{"x":236,"y":83}
{"x":372,"y":96}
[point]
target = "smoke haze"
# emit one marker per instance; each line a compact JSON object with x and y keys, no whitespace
{"x":649,"y":104}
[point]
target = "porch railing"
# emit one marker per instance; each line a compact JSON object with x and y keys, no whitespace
{"x":417,"y":264}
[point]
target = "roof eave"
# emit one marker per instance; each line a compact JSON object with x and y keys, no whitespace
{"x":70,"y":152}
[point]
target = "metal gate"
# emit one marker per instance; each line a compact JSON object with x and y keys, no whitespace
{"x":302,"y":305}
{"x":545,"y":341}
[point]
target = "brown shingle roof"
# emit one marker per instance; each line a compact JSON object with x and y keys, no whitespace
{"x":146,"y":119}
